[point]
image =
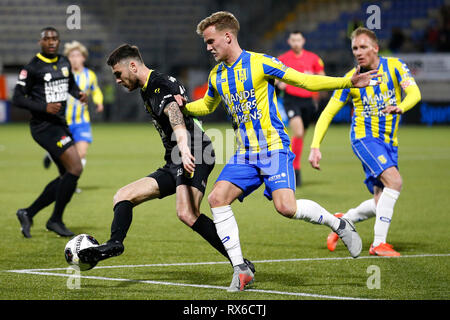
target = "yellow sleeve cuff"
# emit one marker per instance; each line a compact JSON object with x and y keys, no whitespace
{"x":201,"y":107}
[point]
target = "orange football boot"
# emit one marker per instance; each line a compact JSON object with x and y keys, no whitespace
{"x":383,"y":250}
{"x":333,"y":238}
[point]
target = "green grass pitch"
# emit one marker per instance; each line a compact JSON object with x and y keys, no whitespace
{"x":165,"y":260}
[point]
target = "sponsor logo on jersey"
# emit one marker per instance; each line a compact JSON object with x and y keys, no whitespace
{"x":56,"y":91}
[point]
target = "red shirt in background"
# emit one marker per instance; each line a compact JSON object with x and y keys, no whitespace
{"x":306,"y":62}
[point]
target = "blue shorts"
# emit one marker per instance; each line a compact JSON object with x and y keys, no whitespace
{"x":248,"y":172}
{"x":376,"y":156}
{"x":81,"y":132}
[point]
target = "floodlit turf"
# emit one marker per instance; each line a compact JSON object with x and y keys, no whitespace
{"x":162,"y":258}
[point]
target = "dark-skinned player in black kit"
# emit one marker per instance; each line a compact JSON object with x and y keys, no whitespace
{"x":42,"y":88}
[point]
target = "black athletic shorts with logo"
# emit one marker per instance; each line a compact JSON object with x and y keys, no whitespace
{"x":172,"y":175}
{"x":54,"y":138}
{"x":302,"y":107}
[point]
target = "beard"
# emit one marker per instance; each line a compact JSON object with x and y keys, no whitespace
{"x":131,"y":85}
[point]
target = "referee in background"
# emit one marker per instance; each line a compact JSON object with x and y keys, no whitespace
{"x":300,"y":104}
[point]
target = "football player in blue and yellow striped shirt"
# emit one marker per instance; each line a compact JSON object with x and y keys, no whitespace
{"x":77,"y":113}
{"x":373,"y":134}
{"x":244,"y":82}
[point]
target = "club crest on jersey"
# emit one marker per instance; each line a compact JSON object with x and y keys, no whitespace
{"x":48,"y":76}
{"x":65,"y":71}
{"x":64,"y":140}
{"x":241,"y":74}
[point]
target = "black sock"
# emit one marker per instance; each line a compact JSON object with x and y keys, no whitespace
{"x":205,"y":227}
{"x":45,"y":198}
{"x":123,"y":215}
{"x":64,"y":192}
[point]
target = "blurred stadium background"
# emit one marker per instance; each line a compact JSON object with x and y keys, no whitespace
{"x":416,"y":30}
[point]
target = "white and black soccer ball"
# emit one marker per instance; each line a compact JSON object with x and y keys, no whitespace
{"x":77,"y":243}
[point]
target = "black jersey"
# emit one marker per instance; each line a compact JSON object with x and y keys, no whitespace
{"x":43,"y":81}
{"x":157,"y":93}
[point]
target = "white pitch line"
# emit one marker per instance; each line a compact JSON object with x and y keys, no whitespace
{"x":299,"y":294}
{"x":226,"y":262}
{"x":203,"y":286}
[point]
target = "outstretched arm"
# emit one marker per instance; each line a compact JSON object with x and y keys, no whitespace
{"x":201,"y":107}
{"x":325,"y":83}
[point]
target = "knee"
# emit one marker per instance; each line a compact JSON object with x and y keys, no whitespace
{"x":398,"y":184}
{"x":215,"y":200}
{"x":75,"y":168}
{"x":395,"y":183}
{"x":121,"y":195}
{"x":285,"y":209}
{"x":187,"y":216}
{"x":298,"y":134}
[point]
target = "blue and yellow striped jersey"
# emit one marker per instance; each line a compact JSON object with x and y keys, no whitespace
{"x":76,"y":112}
{"x":367,"y":119}
{"x":247,"y":90}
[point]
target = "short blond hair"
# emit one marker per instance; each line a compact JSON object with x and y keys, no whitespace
{"x":75,"y":45}
{"x":222,"y":20}
{"x":361,"y":30}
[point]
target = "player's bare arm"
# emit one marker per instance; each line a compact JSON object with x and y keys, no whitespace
{"x":176,"y":120}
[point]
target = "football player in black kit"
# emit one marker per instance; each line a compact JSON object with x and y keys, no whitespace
{"x":42,"y":88}
{"x":189,"y":157}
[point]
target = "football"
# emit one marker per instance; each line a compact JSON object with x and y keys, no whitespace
{"x":77,"y":243}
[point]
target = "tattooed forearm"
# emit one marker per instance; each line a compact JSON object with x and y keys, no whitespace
{"x":174,"y":113}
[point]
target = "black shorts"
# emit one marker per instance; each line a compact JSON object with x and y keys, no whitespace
{"x":301,"y":107}
{"x":172,"y":175}
{"x":54,"y":138}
